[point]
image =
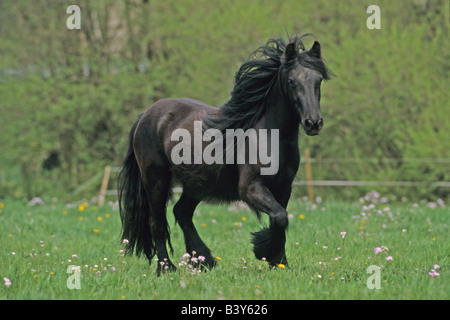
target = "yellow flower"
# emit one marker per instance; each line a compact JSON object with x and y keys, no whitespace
{"x":361,"y":227}
{"x":65,"y":212}
{"x":10,"y":235}
{"x":35,"y":276}
{"x":99,"y":219}
{"x":218,"y":258}
{"x":96,"y":231}
{"x":244,"y":219}
{"x":107,"y":215}
{"x":2,"y":205}
{"x":301,"y":217}
{"x":282,"y":266}
{"x":82,"y":206}
{"x":203,"y":225}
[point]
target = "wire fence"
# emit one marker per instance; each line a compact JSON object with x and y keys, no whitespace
{"x":309,"y":182}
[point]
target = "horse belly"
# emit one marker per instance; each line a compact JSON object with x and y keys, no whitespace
{"x":208,"y":182}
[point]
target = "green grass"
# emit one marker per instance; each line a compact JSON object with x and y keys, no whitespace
{"x":38,"y":243}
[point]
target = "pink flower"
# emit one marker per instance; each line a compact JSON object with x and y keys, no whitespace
{"x":377,"y":250}
{"x":436,"y":266}
{"x":7,"y":282}
{"x":343,"y":233}
{"x":389,"y":258}
{"x":433,"y":273}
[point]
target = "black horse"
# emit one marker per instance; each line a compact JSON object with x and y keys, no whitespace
{"x":273,"y":95}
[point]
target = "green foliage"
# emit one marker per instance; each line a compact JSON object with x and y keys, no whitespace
{"x":77,"y":92}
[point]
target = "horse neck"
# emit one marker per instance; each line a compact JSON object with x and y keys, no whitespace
{"x":280,"y":115}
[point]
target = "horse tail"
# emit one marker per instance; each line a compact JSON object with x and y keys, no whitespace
{"x":134,"y":206}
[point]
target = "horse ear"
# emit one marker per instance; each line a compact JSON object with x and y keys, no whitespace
{"x":290,"y":53}
{"x":315,"y":50}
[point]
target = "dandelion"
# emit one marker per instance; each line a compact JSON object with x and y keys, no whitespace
{"x":96,"y":231}
{"x":301,"y":217}
{"x":282,"y":266}
{"x":7,"y":282}
{"x":100,"y":219}
{"x":218,"y":258}
{"x":82,"y":206}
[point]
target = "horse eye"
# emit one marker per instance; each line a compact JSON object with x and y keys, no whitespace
{"x":291,"y":82}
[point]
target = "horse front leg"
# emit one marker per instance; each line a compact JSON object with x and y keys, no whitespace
{"x":268,"y":243}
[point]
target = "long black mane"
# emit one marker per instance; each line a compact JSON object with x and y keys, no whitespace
{"x":254,"y":80}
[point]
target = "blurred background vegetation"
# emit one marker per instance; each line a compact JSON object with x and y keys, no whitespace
{"x":69,"y":97}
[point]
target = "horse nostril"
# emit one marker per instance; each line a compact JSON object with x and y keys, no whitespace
{"x":320,"y":123}
{"x":308,"y":124}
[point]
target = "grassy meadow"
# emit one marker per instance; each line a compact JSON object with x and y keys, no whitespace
{"x":330,"y":246}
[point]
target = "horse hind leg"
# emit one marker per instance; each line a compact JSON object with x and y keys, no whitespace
{"x":184,"y":211}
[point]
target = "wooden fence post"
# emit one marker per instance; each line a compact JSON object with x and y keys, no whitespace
{"x":105,"y":181}
{"x":309,"y":176}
